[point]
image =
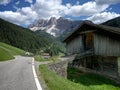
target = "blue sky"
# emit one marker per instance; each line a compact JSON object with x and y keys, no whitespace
{"x":25,"y":12}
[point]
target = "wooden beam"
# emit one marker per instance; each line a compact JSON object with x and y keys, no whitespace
{"x":90,"y":31}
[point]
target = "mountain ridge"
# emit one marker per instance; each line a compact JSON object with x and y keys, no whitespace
{"x":54,"y":26}
{"x":115,"y":22}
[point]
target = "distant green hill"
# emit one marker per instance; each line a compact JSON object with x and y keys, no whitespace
{"x":8,"y":52}
{"x":28,"y":40}
{"x":113,"y":22}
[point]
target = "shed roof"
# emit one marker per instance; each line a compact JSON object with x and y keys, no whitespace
{"x":113,"y":30}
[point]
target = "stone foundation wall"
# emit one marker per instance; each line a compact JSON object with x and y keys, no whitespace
{"x":60,"y":68}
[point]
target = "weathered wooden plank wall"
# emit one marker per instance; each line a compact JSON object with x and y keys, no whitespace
{"x":98,"y":64}
{"x":75,"y":45}
{"x":105,"y":46}
{"x":119,"y":66}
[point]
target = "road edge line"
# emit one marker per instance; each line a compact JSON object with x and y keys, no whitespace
{"x":35,"y":76}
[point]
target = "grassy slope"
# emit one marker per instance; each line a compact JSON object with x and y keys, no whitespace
{"x":55,"y":82}
{"x":39,"y":58}
{"x":7,"y":52}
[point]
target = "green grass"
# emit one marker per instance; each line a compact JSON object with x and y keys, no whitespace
{"x":87,"y":82}
{"x":54,"y":58}
{"x":7,"y":52}
{"x":88,"y":78}
{"x":40,"y":59}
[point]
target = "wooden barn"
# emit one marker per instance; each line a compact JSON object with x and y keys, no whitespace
{"x":97,"y":49}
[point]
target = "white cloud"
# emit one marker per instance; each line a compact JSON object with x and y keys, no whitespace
{"x":5,"y":2}
{"x":12,"y":16}
{"x":102,"y":17}
{"x":48,"y":8}
{"x":29,"y":1}
{"x":101,"y":2}
{"x":86,"y":9}
{"x":23,"y":16}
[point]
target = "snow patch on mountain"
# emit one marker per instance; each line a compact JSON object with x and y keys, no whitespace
{"x":54,"y":26}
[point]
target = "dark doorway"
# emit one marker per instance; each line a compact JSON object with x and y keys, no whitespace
{"x":88,"y":39}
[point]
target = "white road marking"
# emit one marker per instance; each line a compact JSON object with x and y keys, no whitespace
{"x":35,"y":76}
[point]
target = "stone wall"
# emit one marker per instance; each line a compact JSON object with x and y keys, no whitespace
{"x":60,"y":68}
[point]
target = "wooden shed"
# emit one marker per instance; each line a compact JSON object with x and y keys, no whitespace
{"x":97,"y":49}
{"x":46,"y":55}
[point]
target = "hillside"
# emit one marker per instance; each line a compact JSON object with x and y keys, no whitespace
{"x":8,"y":52}
{"x":19,"y":37}
{"x":55,"y":46}
{"x":24,"y":38}
{"x":113,"y":22}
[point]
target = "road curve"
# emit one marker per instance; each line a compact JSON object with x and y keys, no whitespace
{"x":17,"y":74}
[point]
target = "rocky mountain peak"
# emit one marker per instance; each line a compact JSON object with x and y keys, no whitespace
{"x":61,"y":18}
{"x":54,"y":26}
{"x":52,"y":21}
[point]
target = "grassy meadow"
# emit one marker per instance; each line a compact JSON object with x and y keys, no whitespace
{"x":8,"y":52}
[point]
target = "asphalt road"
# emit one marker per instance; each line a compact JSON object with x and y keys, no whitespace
{"x":17,"y":74}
